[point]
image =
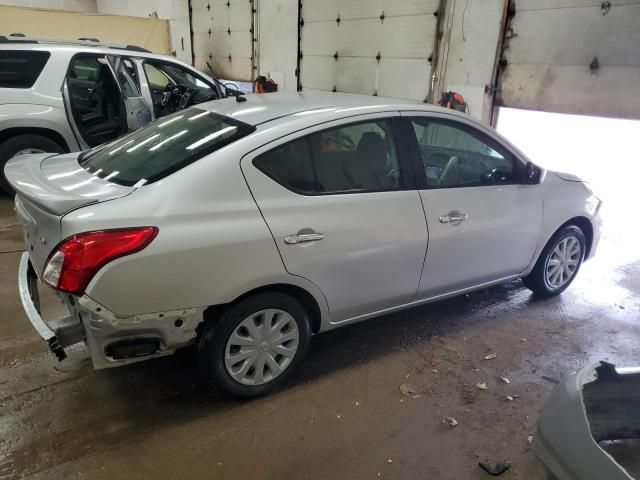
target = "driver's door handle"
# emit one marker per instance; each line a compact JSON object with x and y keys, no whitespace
{"x":303,"y":237}
{"x":453,"y":217}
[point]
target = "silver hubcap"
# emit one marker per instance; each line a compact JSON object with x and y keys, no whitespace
{"x":261,"y":347}
{"x":563,"y":262}
{"x":26,"y":151}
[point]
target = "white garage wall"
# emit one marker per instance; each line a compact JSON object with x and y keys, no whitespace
{"x":552,"y":47}
{"x":87,"y":6}
{"x":278,"y":42}
{"x":468,"y":52}
{"x":176,"y":11}
{"x":382,"y":46}
{"x":222,"y":36}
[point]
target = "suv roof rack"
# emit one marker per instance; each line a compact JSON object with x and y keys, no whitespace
{"x":85,"y":42}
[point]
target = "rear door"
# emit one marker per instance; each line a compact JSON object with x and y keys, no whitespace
{"x":344,"y":213}
{"x":484,"y":221}
{"x":137,"y":106}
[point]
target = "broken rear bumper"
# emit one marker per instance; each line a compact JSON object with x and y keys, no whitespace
{"x":111,"y":340}
{"x":68,"y":327}
{"x":569,"y":426}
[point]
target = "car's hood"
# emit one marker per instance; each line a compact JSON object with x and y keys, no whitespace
{"x":57,"y":183}
{"x":569,"y":177}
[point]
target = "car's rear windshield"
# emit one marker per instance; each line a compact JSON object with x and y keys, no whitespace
{"x":163,"y":147}
{"x":21,"y":68}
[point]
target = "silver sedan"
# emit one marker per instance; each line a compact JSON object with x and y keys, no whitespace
{"x":248,"y":225}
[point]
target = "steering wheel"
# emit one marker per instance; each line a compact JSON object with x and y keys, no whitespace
{"x":450,"y":172}
{"x":166,"y":95}
{"x":186,"y":98}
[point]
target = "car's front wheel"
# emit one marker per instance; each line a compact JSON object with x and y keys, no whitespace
{"x":558,"y":263}
{"x":255,"y":344}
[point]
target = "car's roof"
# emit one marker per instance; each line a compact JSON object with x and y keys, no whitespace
{"x":264,"y":107}
{"x":80,"y":46}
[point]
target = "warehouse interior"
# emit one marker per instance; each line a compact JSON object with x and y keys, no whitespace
{"x":435,"y":391}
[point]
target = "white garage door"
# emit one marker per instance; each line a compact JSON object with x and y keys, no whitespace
{"x":375,"y":47}
{"x":574,"y":56}
{"x":222,"y":36}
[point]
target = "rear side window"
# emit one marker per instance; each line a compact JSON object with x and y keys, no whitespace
{"x":21,"y":68}
{"x":163,"y":147}
{"x":359,"y":157}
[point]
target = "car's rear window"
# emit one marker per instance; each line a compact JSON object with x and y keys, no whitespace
{"x":21,"y":68}
{"x":163,"y":147}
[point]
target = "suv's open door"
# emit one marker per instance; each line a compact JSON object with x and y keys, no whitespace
{"x":138,"y":109}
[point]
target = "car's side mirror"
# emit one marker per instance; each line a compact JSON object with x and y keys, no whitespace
{"x":531,"y":174}
{"x":495,"y":176}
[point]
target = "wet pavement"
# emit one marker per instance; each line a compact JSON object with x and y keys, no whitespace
{"x":341,"y":416}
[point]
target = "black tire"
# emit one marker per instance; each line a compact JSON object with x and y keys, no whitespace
{"x":214,"y":338}
{"x":537,"y":281}
{"x":13,"y":145}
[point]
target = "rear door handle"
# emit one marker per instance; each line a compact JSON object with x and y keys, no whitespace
{"x":303,"y":237}
{"x":453,"y":217}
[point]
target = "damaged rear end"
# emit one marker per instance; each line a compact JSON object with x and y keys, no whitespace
{"x":47,"y":188}
{"x":590,"y":426}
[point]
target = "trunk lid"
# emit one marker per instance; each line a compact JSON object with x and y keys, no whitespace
{"x":47,"y":187}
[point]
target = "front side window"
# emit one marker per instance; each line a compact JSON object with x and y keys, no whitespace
{"x":163,"y":147}
{"x":359,"y":157}
{"x":457,"y":156}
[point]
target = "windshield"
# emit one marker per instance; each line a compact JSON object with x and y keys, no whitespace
{"x":163,"y":147}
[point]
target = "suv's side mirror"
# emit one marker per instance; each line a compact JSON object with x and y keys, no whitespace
{"x":531,"y":174}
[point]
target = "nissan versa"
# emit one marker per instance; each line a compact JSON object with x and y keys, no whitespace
{"x":247,"y":225}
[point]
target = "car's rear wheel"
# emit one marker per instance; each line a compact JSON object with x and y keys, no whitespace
{"x":558,"y":263}
{"x":256,"y":344}
{"x":20,"y":145}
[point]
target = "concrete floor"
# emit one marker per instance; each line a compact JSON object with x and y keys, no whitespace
{"x":342,"y":415}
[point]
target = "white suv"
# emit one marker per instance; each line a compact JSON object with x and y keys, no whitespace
{"x":61,"y":96}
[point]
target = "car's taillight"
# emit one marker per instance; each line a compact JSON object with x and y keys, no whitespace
{"x":77,"y":259}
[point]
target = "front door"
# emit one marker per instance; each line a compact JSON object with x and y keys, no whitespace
{"x":343,"y":213}
{"x":484,"y":221}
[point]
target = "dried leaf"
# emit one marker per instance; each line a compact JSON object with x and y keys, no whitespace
{"x":482,"y":386}
{"x":491,"y":356}
{"x":435,"y":362}
{"x":452,"y":422}
{"x":407,"y":390}
{"x":505,"y":380}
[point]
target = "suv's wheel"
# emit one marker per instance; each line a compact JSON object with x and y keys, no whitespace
{"x":558,"y":263}
{"x":21,"y":144}
{"x":256,"y":344}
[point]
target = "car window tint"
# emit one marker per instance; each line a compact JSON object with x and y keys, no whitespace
{"x":163,"y":147}
{"x":21,"y":69}
{"x":458,"y":156}
{"x":359,"y":157}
